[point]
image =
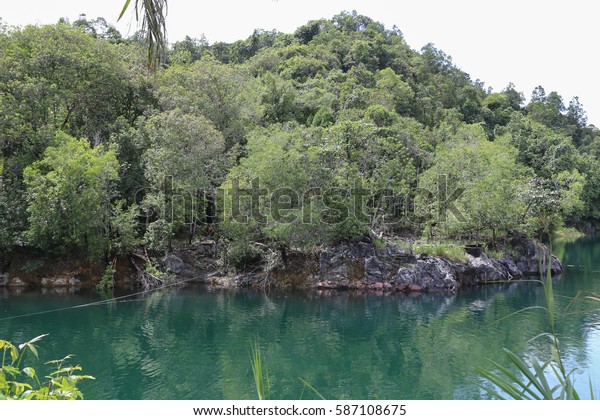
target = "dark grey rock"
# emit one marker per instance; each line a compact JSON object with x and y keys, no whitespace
{"x":511,"y":267}
{"x":427,"y":274}
{"x":529,"y":252}
{"x":360,"y":265}
{"x":487,"y":269}
{"x":376,"y":270}
{"x":332,"y":266}
{"x":208,"y":248}
{"x":174,"y":264}
{"x":406,"y":278}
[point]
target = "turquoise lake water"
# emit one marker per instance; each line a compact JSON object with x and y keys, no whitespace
{"x":195,"y":342}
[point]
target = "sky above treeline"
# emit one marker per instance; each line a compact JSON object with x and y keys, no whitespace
{"x":526,"y":42}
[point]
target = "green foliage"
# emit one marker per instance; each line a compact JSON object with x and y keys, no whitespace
{"x":455,"y":252}
{"x":153,"y":14}
{"x":568,"y":233}
{"x":157,"y":273}
{"x":242,"y":256}
{"x":23,"y":383}
{"x":340,"y":106}
{"x":68,"y":193}
{"x":124,"y":234}
{"x":532,"y":380}
{"x":482,"y":187}
{"x":157,"y":238}
{"x":32,"y":265}
{"x":225,"y":95}
{"x":58,"y":77}
{"x":107,"y":282}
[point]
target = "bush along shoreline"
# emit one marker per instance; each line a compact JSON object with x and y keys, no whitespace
{"x":360,"y":264}
{"x":271,"y":145}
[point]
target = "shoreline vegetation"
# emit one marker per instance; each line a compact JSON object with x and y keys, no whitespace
{"x":238,"y":161}
{"x":361,"y":264}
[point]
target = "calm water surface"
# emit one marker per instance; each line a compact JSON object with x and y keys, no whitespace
{"x":194,"y":342}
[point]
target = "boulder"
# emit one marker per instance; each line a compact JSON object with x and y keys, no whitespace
{"x":174,"y":264}
{"x":511,"y":267}
{"x":527,"y":254}
{"x":427,"y":274}
{"x":487,"y":269}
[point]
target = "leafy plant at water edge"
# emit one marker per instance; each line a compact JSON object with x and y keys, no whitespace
{"x":18,"y":383}
{"x":107,"y":282}
{"x":532,"y":381}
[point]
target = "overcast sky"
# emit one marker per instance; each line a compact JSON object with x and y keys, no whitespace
{"x":526,"y":42}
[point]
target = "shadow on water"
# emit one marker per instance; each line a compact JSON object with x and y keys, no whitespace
{"x":194,"y":342}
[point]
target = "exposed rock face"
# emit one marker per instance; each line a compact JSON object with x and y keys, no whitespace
{"x":357,"y":265}
{"x":528,"y":257}
{"x":427,"y":273}
{"x":361,"y":265}
{"x":487,"y":269}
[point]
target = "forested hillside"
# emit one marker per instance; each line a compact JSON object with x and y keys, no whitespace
{"x":289,"y":140}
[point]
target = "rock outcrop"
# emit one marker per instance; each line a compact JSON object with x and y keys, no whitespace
{"x":354,"y":265}
{"x":363,"y":266}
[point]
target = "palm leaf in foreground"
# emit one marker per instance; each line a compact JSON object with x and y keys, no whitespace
{"x":153,"y":14}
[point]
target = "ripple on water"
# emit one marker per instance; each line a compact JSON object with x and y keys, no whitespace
{"x":195,"y":343}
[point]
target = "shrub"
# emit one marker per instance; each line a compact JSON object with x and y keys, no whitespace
{"x":18,"y":383}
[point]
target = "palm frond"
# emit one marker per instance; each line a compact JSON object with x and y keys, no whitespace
{"x":153,"y":14}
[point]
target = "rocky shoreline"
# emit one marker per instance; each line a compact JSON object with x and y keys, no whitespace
{"x":353,"y":265}
{"x":363,"y":266}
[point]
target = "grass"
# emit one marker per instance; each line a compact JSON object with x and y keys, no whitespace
{"x":453,"y":252}
{"x":261,"y":375}
{"x":494,"y":254}
{"x":533,"y":377}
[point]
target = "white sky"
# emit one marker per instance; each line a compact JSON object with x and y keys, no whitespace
{"x":527,"y":42}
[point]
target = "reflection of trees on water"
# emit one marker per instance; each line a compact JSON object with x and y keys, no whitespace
{"x":195,"y":342}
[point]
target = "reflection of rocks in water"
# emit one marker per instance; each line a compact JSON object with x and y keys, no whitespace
{"x":59,"y":281}
{"x":478,"y":305}
{"x":413,"y":304}
{"x":14,"y":283}
{"x":59,"y":291}
{"x":14,"y":291}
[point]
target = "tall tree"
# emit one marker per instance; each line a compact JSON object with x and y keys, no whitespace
{"x":68,"y":196}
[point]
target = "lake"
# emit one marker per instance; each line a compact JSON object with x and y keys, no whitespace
{"x":194,"y":342}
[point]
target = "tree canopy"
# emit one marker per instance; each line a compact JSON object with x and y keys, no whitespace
{"x":336,"y":130}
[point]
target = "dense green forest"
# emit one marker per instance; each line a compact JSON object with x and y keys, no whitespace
{"x":288,"y":140}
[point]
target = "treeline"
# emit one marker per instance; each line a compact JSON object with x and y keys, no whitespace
{"x":288,"y":140}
